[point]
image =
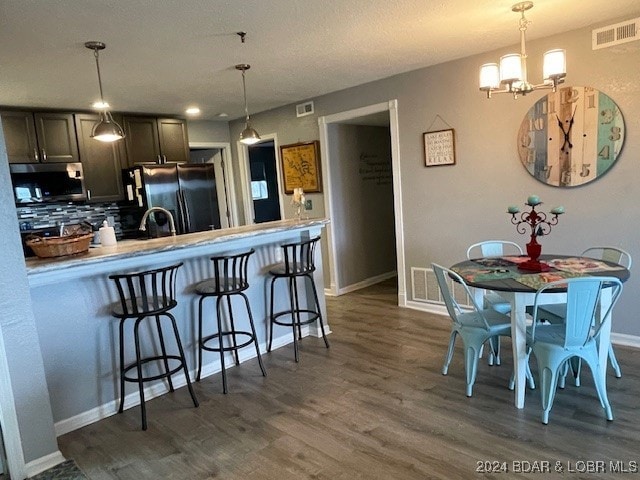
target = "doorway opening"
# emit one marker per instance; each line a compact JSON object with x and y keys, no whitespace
{"x":219,"y":154}
{"x":264,"y":182}
{"x":260,"y":180}
{"x":361,"y":181}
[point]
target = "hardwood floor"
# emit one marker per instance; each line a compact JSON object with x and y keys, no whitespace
{"x":373,"y":406}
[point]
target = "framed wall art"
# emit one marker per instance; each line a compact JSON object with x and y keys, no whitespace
{"x":439,"y":148}
{"x":301,"y":167}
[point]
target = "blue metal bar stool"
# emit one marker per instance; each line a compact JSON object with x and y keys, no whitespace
{"x":230,"y":278}
{"x":299,"y":262}
{"x":149,"y":294}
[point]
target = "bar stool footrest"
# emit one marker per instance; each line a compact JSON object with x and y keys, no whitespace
{"x":230,"y":348}
{"x":314,"y":316}
{"x":155,"y":377}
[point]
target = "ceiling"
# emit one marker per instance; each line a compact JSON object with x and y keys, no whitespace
{"x":165,"y":55}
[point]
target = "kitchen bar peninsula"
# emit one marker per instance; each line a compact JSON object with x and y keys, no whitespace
{"x":78,"y":336}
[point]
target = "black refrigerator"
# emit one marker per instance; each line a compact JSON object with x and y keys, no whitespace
{"x":188,"y":191}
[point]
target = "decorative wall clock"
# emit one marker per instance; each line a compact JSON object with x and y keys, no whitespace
{"x":571,"y":137}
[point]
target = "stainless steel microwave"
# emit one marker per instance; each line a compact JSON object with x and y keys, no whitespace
{"x":47,"y":182}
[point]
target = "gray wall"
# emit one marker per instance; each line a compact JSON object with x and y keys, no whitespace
{"x":208,"y":131}
{"x":363,"y":224}
{"x":447,"y":208}
{"x":21,"y":365}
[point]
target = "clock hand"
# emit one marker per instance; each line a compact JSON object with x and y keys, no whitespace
{"x":566,"y":134}
{"x":570,"y":127}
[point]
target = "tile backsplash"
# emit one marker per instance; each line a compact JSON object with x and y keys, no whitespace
{"x":32,"y":217}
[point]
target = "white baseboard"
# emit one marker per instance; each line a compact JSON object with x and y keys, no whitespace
{"x":626,"y":340}
{"x":616,"y":338}
{"x":366,"y":283}
{"x":427,"y":307}
{"x":41,"y":464}
{"x":155,"y":390}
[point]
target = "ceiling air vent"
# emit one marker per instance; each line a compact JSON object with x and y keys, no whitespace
{"x":616,"y":34}
{"x":304,"y":109}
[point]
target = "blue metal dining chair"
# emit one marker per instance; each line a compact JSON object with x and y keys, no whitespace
{"x":474,"y":327}
{"x":557,"y":312}
{"x":487,"y":249}
{"x":557,"y":344}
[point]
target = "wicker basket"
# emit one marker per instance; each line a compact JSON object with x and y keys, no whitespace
{"x":47,"y":247}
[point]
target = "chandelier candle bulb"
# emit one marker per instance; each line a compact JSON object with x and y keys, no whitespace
{"x":513,"y":209}
{"x":559,"y":210}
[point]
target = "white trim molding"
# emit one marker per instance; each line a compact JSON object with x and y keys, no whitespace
{"x":625,"y":340}
{"x":41,"y":464}
{"x":227,"y":159}
{"x":245,"y":176}
{"x":367,"y":282}
{"x":392,"y":107}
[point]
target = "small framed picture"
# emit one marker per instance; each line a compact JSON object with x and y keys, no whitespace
{"x":301,"y":167}
{"x":439,"y":148}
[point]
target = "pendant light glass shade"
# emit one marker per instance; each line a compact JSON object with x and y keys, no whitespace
{"x":489,"y":76}
{"x":248,"y":136}
{"x":555,"y":64}
{"x":106,"y":129}
{"x":511,"y":68}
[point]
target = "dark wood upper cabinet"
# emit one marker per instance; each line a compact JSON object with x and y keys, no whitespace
{"x":39,"y":137}
{"x":141,"y":140}
{"x":101,"y":161}
{"x":174,"y":142}
{"x":56,"y":137}
{"x":155,"y":140}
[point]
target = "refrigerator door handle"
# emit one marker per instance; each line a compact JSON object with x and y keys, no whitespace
{"x":181,"y":222}
{"x":182,"y":199}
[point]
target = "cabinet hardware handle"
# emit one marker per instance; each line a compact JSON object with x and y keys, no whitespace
{"x":36,"y":157}
{"x":44,"y":155}
{"x":88,"y":194}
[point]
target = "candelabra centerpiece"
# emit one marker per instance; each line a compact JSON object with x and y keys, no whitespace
{"x":536,"y":224}
{"x":298,"y":202}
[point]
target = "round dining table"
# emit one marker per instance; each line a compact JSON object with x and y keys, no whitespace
{"x":518,"y":287}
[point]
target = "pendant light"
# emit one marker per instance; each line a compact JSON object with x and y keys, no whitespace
{"x":248,"y":136}
{"x":106,"y":129}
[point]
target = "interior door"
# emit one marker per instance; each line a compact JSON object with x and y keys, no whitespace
{"x":264,"y":182}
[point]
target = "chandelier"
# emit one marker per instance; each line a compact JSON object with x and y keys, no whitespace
{"x":510,"y":76}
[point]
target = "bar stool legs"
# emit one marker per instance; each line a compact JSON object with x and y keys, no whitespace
{"x":140,"y":361}
{"x":148,"y":295}
{"x":299,"y":261}
{"x":230,"y":280}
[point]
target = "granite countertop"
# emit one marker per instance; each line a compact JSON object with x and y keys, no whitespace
{"x":130,"y":248}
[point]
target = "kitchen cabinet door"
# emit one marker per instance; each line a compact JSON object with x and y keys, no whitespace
{"x":101,"y":161}
{"x":56,"y":137}
{"x":141,"y":140}
{"x":155,"y":140}
{"x":20,"y":136}
{"x":174,"y":142}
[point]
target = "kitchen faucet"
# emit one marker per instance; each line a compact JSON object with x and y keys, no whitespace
{"x":143,"y":222}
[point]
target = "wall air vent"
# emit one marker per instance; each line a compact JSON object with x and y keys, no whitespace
{"x":616,"y":34}
{"x":424,"y":288}
{"x":304,"y":109}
